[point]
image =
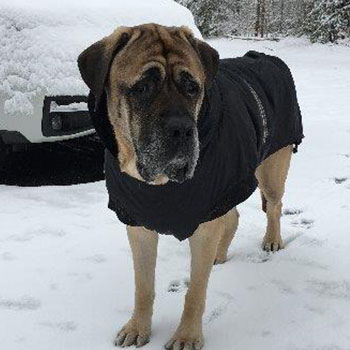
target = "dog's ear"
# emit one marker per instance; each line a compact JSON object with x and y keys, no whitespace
{"x":94,"y":62}
{"x":208,"y":55}
{"x":209,"y":58}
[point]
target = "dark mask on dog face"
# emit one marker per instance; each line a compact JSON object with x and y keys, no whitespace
{"x":155,"y":78}
{"x":162,"y":117}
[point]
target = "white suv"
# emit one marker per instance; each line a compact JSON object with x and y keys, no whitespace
{"x":42,"y":97}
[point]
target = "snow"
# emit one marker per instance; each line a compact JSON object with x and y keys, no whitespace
{"x":66,"y":268}
{"x":40,"y":41}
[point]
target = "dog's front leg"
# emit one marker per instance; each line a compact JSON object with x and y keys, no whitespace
{"x":144,"y":250}
{"x":203,"y":246}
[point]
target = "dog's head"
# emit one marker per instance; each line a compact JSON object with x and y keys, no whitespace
{"x":155,"y":79}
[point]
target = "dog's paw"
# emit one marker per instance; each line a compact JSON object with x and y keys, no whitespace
{"x":174,"y":344}
{"x":272,"y":245}
{"x":185,"y":342}
{"x":133,"y":334}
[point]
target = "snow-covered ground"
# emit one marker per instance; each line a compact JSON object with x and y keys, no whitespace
{"x":66,"y":279}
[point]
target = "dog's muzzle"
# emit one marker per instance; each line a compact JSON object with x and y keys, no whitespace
{"x":181,"y":132}
{"x":173,"y":151}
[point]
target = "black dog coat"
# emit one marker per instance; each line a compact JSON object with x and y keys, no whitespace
{"x":249,"y":112}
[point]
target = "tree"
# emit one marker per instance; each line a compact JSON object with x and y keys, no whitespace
{"x":260,"y":22}
{"x":328,"y":21}
{"x":321,"y":20}
{"x":214,"y":17}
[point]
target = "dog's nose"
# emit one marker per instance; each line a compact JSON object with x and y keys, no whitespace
{"x":180,"y":127}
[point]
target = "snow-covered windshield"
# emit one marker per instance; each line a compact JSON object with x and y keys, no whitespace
{"x":41,"y":39}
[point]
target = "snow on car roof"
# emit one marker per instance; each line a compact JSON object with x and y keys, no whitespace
{"x":40,"y":41}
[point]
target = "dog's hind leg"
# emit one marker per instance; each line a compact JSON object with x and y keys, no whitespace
{"x":203,"y":244}
{"x":272,"y":175}
{"x":144,"y":250}
{"x":231,"y":223}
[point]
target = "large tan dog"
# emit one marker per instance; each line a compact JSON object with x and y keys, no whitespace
{"x":118,"y":65}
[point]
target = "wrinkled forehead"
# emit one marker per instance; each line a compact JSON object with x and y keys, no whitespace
{"x":156,"y":46}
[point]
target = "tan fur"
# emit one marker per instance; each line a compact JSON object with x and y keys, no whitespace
{"x":203,"y":244}
{"x":272,"y":175}
{"x":170,"y":50}
{"x":228,"y":232}
{"x":143,"y":51}
{"x":209,"y":244}
{"x":143,"y":245}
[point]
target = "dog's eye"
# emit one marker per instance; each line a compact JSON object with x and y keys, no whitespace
{"x":143,"y":89}
{"x":188,"y":84}
{"x":191,"y":88}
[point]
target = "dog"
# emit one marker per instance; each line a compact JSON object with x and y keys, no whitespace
{"x":188,"y":137}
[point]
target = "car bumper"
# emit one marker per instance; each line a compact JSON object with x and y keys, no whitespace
{"x":56,"y":118}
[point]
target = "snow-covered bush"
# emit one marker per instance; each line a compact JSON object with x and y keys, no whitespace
{"x":321,"y":20}
{"x":328,"y":21}
{"x":222,"y":17}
